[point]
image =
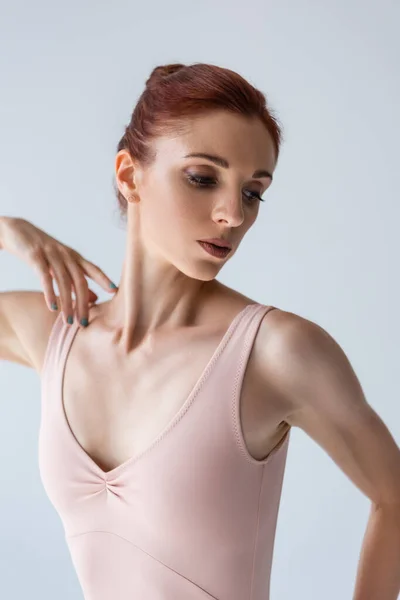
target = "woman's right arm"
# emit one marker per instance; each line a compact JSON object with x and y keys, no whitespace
{"x":26,"y":316}
{"x":12,"y":304}
{"x":23,"y":316}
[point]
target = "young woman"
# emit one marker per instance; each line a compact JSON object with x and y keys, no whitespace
{"x":166,"y":410}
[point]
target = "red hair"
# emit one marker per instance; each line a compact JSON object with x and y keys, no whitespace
{"x":174,"y":92}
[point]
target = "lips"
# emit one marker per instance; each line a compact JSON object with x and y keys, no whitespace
{"x":214,"y":250}
{"x":218,"y":242}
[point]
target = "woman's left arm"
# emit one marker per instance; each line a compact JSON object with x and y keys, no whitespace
{"x":324,"y":397}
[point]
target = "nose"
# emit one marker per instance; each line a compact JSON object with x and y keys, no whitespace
{"x":229,"y":210}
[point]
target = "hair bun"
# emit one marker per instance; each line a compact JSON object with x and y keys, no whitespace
{"x":163,"y":71}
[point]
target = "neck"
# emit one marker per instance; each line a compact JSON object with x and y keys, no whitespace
{"x":153,"y":295}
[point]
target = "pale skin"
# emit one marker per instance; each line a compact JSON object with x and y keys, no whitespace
{"x":166,"y":274}
{"x":168,"y":284}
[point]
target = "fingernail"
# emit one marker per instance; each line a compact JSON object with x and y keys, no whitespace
{"x":54,"y":306}
{"x":113,"y":286}
{"x":84,"y":322}
{"x":70,"y":320}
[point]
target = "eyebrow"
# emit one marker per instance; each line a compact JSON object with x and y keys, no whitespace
{"x":222,"y":162}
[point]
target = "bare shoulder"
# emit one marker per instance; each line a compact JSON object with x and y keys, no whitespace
{"x":279,"y":348}
{"x":287,"y":331}
{"x":30,"y":323}
{"x":322,"y":395}
{"x":298,"y":356}
{"x":294,"y":339}
{"x":281,"y":325}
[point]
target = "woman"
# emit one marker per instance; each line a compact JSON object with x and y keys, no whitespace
{"x":166,"y":420}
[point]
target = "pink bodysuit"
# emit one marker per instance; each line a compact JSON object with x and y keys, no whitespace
{"x":193,"y":517}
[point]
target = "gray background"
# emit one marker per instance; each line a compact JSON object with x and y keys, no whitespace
{"x":325,"y":244}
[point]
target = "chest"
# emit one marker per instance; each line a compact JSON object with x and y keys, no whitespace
{"x":115,"y":408}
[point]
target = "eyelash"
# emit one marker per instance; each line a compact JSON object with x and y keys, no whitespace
{"x":197,"y":180}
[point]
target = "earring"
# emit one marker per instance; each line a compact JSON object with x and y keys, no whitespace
{"x":133,"y":197}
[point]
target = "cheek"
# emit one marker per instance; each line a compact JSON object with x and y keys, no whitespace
{"x":182,"y":208}
{"x":168,"y":215}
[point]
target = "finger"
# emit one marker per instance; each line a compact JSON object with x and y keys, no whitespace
{"x":93,"y":297}
{"x":41,"y":266}
{"x":64,"y":284}
{"x":81,"y":289}
{"x":95,"y":273}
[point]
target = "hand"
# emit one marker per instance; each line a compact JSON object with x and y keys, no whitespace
{"x":52,"y":259}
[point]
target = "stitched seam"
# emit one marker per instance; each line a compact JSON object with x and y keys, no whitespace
{"x":235,"y":408}
{"x":198,"y":387}
{"x":144,"y":551}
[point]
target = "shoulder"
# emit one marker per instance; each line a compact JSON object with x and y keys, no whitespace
{"x":297,"y":354}
{"x":293,"y":334}
{"x":32,"y":322}
{"x":322,"y":395}
{"x":307,"y":368}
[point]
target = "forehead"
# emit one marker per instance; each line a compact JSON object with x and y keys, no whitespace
{"x":243,"y":141}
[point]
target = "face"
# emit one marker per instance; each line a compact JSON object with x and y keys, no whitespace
{"x":184,"y":199}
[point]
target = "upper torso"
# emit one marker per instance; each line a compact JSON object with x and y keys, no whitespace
{"x":114,"y":406}
{"x":158,"y":470}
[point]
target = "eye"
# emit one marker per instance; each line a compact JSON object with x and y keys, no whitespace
{"x":205,"y":182}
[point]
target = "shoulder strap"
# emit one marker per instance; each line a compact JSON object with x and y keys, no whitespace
{"x":60,"y":338}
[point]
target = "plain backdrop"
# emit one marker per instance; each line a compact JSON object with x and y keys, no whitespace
{"x":325,"y":244}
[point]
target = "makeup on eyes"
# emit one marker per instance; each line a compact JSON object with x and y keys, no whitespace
{"x":206,"y":182}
